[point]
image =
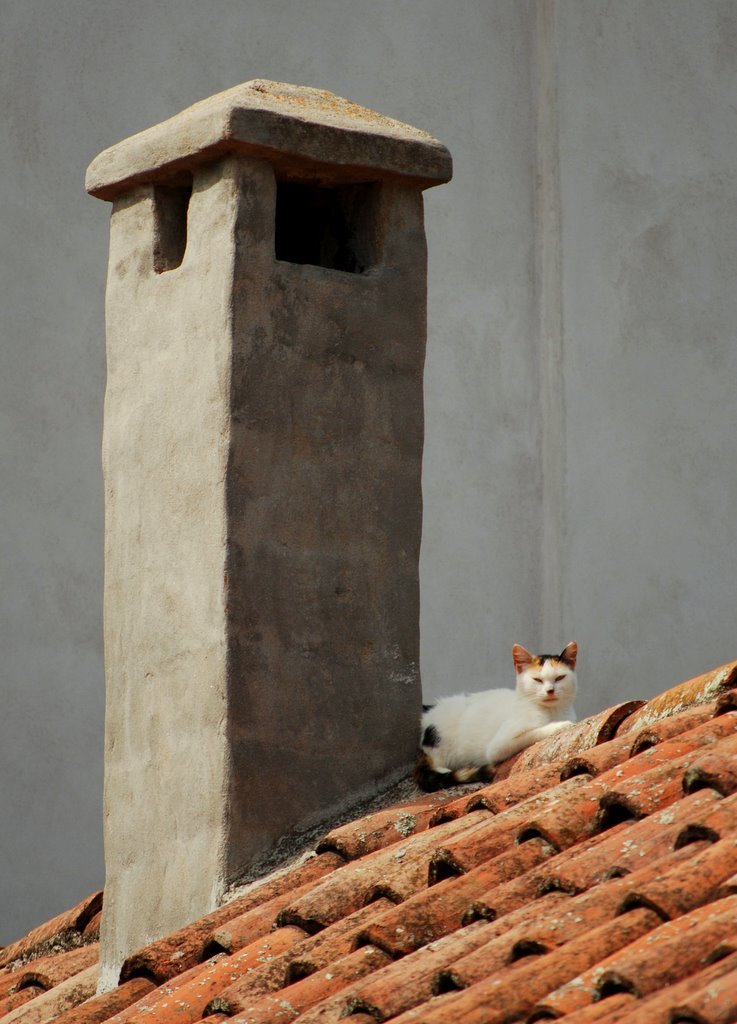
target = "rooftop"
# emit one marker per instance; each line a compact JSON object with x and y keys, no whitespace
{"x":594,"y":880}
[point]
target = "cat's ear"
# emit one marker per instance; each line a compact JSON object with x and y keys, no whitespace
{"x":522,"y":658}
{"x":569,"y":654}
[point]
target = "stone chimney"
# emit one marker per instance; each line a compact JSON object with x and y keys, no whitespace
{"x":262,"y":452}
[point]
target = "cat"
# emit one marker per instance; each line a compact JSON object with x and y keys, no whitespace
{"x":465,"y":735}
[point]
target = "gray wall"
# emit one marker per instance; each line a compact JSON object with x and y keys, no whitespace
{"x":579,"y":469}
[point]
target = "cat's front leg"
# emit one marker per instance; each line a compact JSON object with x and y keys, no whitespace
{"x":508,"y":742}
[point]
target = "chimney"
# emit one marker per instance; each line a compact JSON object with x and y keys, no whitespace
{"x":262,"y":451}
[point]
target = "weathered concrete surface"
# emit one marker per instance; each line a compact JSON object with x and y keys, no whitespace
{"x":301,"y":131}
{"x":324,"y":507}
{"x":165,"y":453}
{"x":262,"y":455}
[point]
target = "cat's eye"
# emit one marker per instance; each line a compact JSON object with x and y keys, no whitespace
{"x":537,"y":679}
{"x":559,"y":678}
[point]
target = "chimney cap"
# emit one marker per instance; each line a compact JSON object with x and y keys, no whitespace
{"x":307,"y":134}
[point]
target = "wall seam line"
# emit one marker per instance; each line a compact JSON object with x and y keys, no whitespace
{"x":549,"y":298}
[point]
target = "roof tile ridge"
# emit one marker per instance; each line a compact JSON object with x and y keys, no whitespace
{"x":570,"y":802}
{"x":703,"y":734}
{"x":383,"y":827}
{"x":306,"y":956}
{"x":695,"y":995}
{"x":51,"y":970}
{"x":351,"y":885}
{"x":605,"y":854}
{"x":627,"y":745}
{"x":673,"y":950}
{"x":434,"y":912}
{"x":70,"y":921}
{"x":99,"y":1008}
{"x":657,"y":777}
{"x":551,"y":926}
{"x":688,"y":883}
{"x":716,"y":768}
{"x":699,"y":690}
{"x":176,"y":952}
{"x":185,"y":998}
{"x":513,"y":991}
{"x":49,"y":1004}
{"x":304,"y":993}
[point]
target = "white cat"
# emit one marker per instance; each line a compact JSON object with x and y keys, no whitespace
{"x":465,"y":734}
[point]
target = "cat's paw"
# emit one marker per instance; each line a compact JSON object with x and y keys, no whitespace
{"x":552,"y":727}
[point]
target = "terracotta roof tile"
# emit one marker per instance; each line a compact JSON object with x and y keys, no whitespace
{"x":52,"y":1003}
{"x":247,"y":927}
{"x":8,"y":980}
{"x":185,"y":947}
{"x":382,"y":828}
{"x":609,"y":1011}
{"x":500,"y":795}
{"x":596,"y":877}
{"x":715,"y":769}
{"x":625,"y":847}
{"x":401,"y":868}
{"x":720,"y":822}
{"x":513,"y":991}
{"x":568,"y":815}
{"x":17,"y":998}
{"x":51,"y":970}
{"x":64,"y":925}
{"x":413,"y":980}
{"x":709,"y":995}
{"x":191,"y":1001}
{"x":665,"y":729}
{"x":699,"y":690}
{"x":550,"y":924}
{"x":287,"y":1004}
{"x":673,"y":951}
{"x":443,"y":907}
{"x":147,"y":1004}
{"x":305,"y":957}
{"x":598,"y":759}
{"x":682,"y":884}
{"x":100,"y":1008}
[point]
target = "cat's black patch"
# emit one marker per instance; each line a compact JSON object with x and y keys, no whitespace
{"x":431,"y":737}
{"x":427,"y":778}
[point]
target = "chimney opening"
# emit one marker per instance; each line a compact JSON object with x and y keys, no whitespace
{"x":332,"y":227}
{"x":171,"y":206}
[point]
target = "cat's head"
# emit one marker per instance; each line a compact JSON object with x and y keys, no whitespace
{"x":547,"y":679}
